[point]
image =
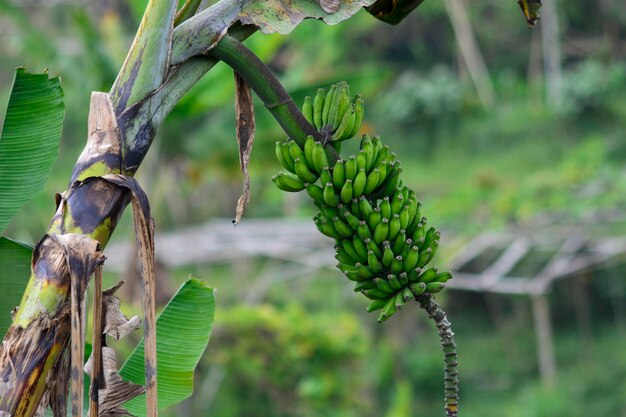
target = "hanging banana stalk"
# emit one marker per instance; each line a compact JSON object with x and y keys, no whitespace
{"x":382,"y":241}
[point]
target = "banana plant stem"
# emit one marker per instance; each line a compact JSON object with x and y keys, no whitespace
{"x":451,"y":373}
{"x":263,"y":82}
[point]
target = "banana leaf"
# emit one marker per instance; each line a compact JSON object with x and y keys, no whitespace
{"x":183,"y":331}
{"x":30,"y":137}
{"x":14,"y":273}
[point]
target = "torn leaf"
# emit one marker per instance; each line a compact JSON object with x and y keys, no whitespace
{"x":283,"y":16}
{"x":116,"y":324}
{"x":244,"y":108}
{"x":117,"y":390}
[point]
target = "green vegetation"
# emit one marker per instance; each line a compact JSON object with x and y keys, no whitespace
{"x":521,"y":162}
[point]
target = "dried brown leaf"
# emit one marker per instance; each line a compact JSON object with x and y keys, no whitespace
{"x":144,"y":232}
{"x":245,"y":126}
{"x":82,"y":256}
{"x":116,"y":324}
{"x":116,"y":391}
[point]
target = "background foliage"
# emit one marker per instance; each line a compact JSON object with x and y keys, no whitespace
{"x":310,"y":349}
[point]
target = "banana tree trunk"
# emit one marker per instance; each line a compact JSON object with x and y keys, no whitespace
{"x":41,"y":327}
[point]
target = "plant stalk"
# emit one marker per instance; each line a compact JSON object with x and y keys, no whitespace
{"x":265,"y":84}
{"x":451,"y":373}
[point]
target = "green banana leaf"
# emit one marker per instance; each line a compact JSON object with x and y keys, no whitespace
{"x":14,"y":274}
{"x":183,"y":331}
{"x":30,"y":137}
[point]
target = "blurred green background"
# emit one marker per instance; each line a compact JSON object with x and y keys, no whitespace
{"x":309,"y":348}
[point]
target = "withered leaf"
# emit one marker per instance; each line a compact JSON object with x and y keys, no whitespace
{"x":144,"y":232}
{"x":116,"y":391}
{"x":116,"y":324}
{"x":244,"y":108}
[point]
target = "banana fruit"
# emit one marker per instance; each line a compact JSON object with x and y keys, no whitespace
{"x":382,"y":241}
{"x":335,"y":113}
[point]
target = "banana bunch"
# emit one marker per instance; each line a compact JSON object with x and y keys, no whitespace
{"x":382,"y":241}
{"x":336,"y":115}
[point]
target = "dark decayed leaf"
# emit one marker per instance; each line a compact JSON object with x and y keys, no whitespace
{"x":530,"y":8}
{"x":14,"y":273}
{"x":183,"y":331}
{"x":244,"y":108}
{"x":112,"y":390}
{"x":393,"y":11}
{"x":30,"y":139}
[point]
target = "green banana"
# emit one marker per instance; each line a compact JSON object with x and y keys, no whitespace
{"x":359,"y":183}
{"x":315,"y":192}
{"x":373,"y":262}
{"x":387,"y":255}
{"x":363,"y":231}
{"x":399,"y":300}
{"x":351,"y":168}
{"x":381,"y":231}
{"x":410,"y":261}
{"x":319,"y":158}
{"x":342,"y":227}
{"x":361,"y":160}
{"x":396,"y":265}
{"x":359,"y":110}
{"x":371,"y":245}
{"x":327,"y":102}
{"x":339,"y":176}
{"x":407,"y":294}
{"x":281,"y":159}
{"x":428,"y":275}
{"x":418,"y":288}
{"x":376,"y":305}
{"x":352,"y":220}
{"x":329,"y":195}
{"x":326,"y":176}
{"x":309,"y":143}
{"x":327,"y":229}
{"x":318,"y":105}
{"x":307,"y":110}
{"x":371,"y":181}
{"x":368,"y":148}
{"x":346,"y":192}
{"x":383,"y":285}
{"x":360,"y":248}
{"x":388,"y":311}
{"x":303,"y":172}
{"x":434,"y":287}
{"x":365,"y":207}
{"x":374,"y":218}
{"x":394,"y":227}
{"x":286,"y":160}
{"x":287,"y":181}
{"x":394,"y":282}
{"x":442,"y":277}
{"x":385,"y":208}
{"x":364,"y":285}
{"x":399,"y":242}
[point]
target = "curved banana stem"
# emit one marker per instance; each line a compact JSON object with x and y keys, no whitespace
{"x":260,"y":79}
{"x":451,"y":376}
